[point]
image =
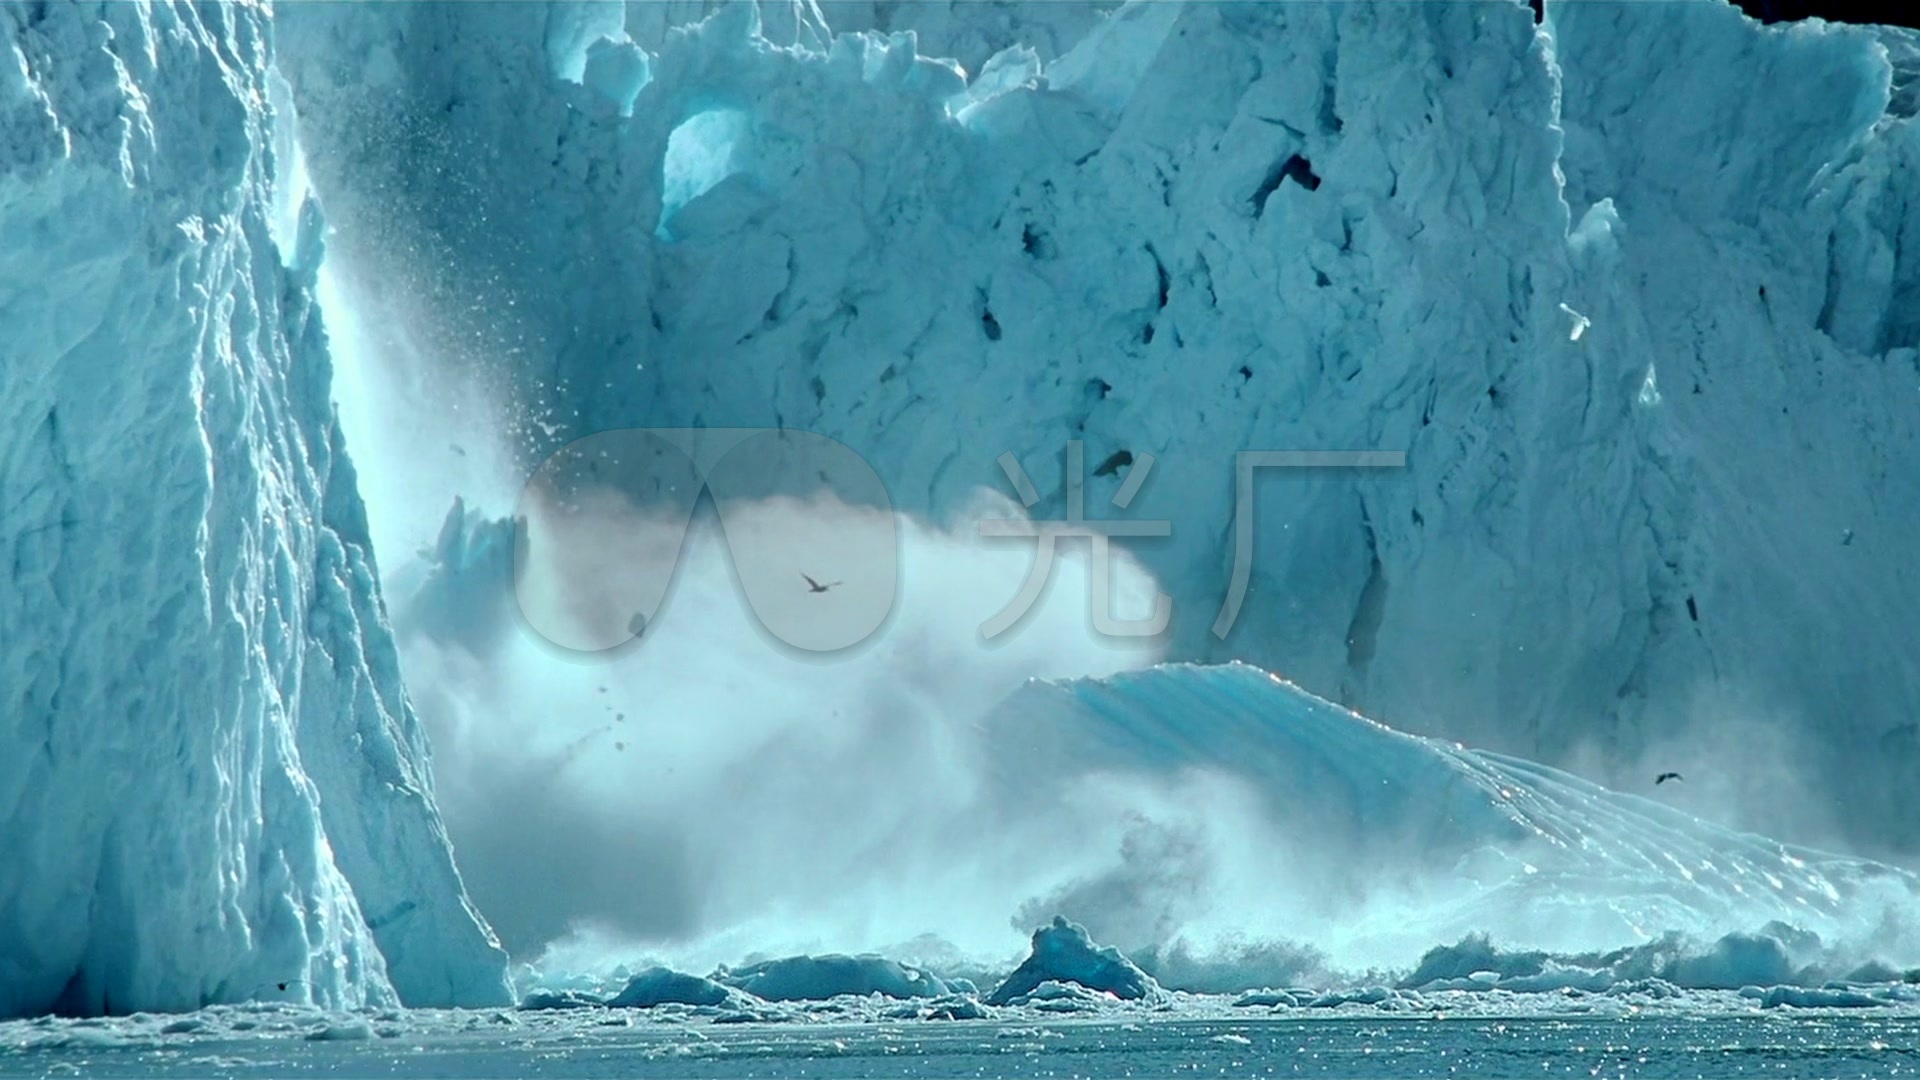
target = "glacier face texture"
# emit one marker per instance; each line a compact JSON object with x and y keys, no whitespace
{"x":1635,"y":291}
{"x":212,"y":787}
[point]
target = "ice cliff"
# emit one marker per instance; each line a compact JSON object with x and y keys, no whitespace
{"x":212,"y":787}
{"x":1634,"y":289}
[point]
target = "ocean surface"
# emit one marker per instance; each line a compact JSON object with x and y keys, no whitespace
{"x":500,"y":1044}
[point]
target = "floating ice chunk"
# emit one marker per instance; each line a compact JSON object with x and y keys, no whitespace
{"x":816,"y":978}
{"x":1365,"y":995}
{"x":1778,"y":955}
{"x":957,"y":1007}
{"x":1058,"y":997}
{"x":663,"y":986}
{"x":1273,"y":999}
{"x":1474,"y":956}
{"x":548,"y":1000}
{"x":1064,"y":953}
{"x":344,"y":1030}
{"x":1806,"y":997}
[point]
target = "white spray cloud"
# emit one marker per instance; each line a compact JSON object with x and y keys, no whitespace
{"x":709,"y":778}
{"x":708,"y":791}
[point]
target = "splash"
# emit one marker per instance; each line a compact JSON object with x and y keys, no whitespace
{"x":707,"y":789}
{"x":696,"y":789}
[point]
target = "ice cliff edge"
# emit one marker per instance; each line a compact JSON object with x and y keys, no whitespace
{"x":212,"y":787}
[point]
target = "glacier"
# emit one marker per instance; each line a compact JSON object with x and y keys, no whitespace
{"x":1650,"y":366}
{"x":212,"y":787}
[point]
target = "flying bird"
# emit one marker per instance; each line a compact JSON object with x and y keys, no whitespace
{"x":1666,"y":776}
{"x":814,"y":586}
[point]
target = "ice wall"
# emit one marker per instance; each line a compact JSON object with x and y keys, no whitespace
{"x":1629,"y":288}
{"x":212,"y":787}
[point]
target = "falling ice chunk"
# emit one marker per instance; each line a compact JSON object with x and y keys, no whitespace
{"x":1580,"y":323}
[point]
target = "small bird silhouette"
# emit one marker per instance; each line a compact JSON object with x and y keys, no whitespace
{"x":814,"y":586}
{"x":1666,"y":776}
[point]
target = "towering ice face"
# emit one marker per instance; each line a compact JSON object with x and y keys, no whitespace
{"x":1641,"y":323}
{"x":212,"y":787}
